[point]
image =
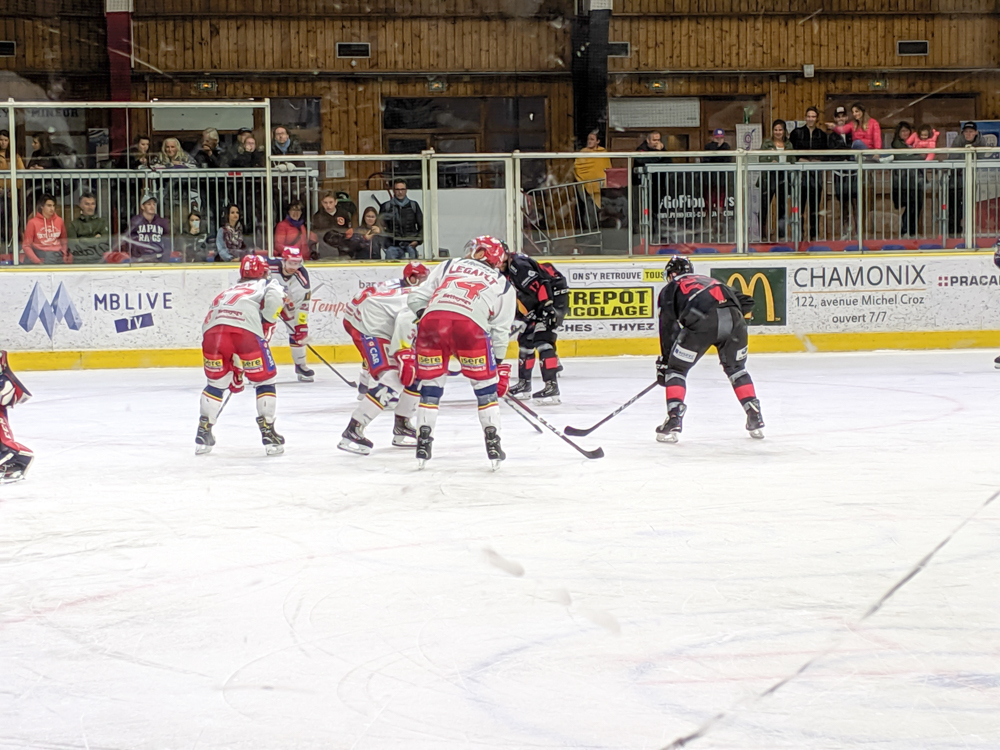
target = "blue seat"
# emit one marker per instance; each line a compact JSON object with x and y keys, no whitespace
{"x":856,"y":249}
{"x":668,"y":251}
{"x":782,"y":249}
{"x":960,"y":246}
{"x":893,"y":247}
{"x":819,"y":249}
{"x":705,"y":250}
{"x":930,"y":247}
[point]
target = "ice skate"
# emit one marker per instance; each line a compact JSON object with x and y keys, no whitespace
{"x":424,"y":441}
{"x":996,"y":363}
{"x":11,"y":472}
{"x":754,"y":420}
{"x":304,"y":374}
{"x":548,"y":395}
{"x":403,"y":434}
{"x":522,"y":390}
{"x":204,"y":440}
{"x":493,"y":449}
{"x":670,"y":430}
{"x":353,"y":439}
{"x":274,"y":443}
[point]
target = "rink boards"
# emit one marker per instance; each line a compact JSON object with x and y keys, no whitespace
{"x":151,"y":316}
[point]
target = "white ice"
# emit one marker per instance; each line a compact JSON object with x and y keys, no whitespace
{"x":150,"y":598}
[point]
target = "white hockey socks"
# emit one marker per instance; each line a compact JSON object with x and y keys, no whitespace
{"x":211,"y":403}
{"x":267,"y":402}
{"x":299,"y":355}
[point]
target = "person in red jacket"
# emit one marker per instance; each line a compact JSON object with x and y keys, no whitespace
{"x":45,"y":235}
{"x":292,"y":232}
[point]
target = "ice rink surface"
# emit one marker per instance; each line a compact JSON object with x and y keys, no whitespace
{"x":153,"y":599}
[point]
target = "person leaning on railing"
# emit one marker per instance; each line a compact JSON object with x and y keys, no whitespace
{"x":592,"y":169}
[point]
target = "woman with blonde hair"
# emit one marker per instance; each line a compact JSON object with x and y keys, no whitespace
{"x":590,"y":170}
{"x":172,"y":156}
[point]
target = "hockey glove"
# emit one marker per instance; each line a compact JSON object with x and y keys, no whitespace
{"x":661,"y":371}
{"x":503,"y":380}
{"x":299,"y":335}
{"x":746,"y":302}
{"x":407,"y":362}
{"x":268,"y":331}
{"x":547,"y":314}
{"x":237,"y":385}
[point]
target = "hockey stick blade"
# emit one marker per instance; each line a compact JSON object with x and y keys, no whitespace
{"x":322,"y":359}
{"x":577,"y":432}
{"x":521,"y":408}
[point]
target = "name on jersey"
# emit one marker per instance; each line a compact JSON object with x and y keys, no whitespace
{"x":134,"y":301}
{"x":610,"y":303}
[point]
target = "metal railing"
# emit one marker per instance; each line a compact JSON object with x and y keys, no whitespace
{"x":563,"y":212}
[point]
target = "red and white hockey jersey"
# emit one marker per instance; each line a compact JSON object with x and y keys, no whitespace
{"x":247,"y":305}
{"x":381,"y":311}
{"x":473,"y":289}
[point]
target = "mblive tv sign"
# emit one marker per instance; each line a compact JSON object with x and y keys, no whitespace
{"x":60,"y":309}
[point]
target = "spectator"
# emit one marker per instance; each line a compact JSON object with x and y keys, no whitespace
{"x":925,"y":137}
{"x":48,"y":155}
{"x":718,"y":143}
{"x":907,"y":186}
{"x":193,"y":241}
{"x":148,"y":239}
{"x":249,"y":157}
{"x":651,"y":142}
{"x":208,"y":155}
{"x":45,"y":235}
{"x":346,"y":206}
{"x":810,"y":137}
{"x":845,"y":181}
{"x":366,"y":244}
{"x":229,"y":242}
{"x":172,"y":156}
{"x":330,"y":220}
{"x":140,"y":155}
{"x":864,"y":131}
{"x":5,"y":197}
{"x":89,"y":237}
{"x":282,"y":144}
{"x":718,"y":187}
{"x":237,"y":148}
{"x":775,"y":182}
{"x":404,"y":223}
{"x":969,"y":138}
{"x":292,"y":232}
{"x":589,"y":171}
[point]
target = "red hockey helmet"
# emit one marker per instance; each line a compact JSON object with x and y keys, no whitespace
{"x":418,"y":270}
{"x":292,"y":256}
{"x":494,"y":251}
{"x":254,"y":267}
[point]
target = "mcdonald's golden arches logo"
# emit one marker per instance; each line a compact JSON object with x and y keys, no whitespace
{"x":765,"y":285}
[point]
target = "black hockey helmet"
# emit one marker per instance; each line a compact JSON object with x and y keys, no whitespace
{"x":678,"y":266}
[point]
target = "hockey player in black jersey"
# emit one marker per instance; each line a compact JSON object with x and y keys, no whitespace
{"x":542,"y":302}
{"x":697,"y":312}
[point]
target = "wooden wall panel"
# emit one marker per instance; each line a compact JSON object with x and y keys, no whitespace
{"x":361,"y":8}
{"x":52,"y":9}
{"x":64,"y":45}
{"x":406,"y":44}
{"x":711,"y":43}
{"x":800,"y":8}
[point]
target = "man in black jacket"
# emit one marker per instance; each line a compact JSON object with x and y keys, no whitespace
{"x":404,"y":223}
{"x":698,"y":312}
{"x":806,"y":138}
{"x":845,"y":181}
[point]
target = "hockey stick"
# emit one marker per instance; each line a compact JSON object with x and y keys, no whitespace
{"x":525,"y":417}
{"x":521,"y":408}
{"x":322,"y":359}
{"x":224,"y":402}
{"x":576,"y":431}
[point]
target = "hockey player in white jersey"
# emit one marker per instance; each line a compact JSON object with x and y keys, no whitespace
{"x":383,"y":327}
{"x":466,"y":309}
{"x":293,"y":277}
{"x":235,"y":338}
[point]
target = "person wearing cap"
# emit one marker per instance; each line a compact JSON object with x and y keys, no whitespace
{"x":718,"y":143}
{"x":718,"y":187}
{"x":236,"y":148}
{"x":845,"y":181}
{"x":968,"y":138}
{"x":148,"y":239}
{"x":809,"y":137}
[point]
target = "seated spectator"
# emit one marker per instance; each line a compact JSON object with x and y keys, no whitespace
{"x":88,"y":235}
{"x":45,"y":235}
{"x":5,"y":156}
{"x":229,"y":242}
{"x":366,"y":244}
{"x":236,"y":148}
{"x":208,"y":154}
{"x":404,"y":224}
{"x":292,"y":232}
{"x":48,"y":155}
{"x":192,"y":243}
{"x":925,"y":137}
{"x":330,"y":222}
{"x":346,"y":206}
{"x":172,"y":156}
{"x":282,"y":144}
{"x":250,"y":157}
{"x":140,"y":155}
{"x":864,"y":130}
{"x":148,"y":239}
{"x":589,"y":170}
